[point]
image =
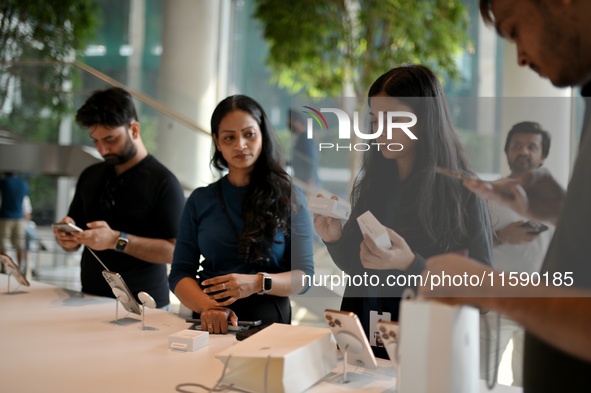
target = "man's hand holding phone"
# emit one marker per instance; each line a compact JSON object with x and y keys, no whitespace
{"x":536,"y":194}
{"x":63,"y":232}
{"x":520,"y":232}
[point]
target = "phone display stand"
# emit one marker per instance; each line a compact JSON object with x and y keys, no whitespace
{"x":121,"y":296}
{"x":147,"y":301}
{"x":12,"y":269}
{"x":348,"y":344}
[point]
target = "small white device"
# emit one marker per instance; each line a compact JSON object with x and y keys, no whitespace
{"x":188,"y":340}
{"x":330,"y":207}
{"x":351,"y":338}
{"x":370,"y":226}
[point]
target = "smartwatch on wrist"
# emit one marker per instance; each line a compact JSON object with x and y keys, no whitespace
{"x":267,"y":283}
{"x":121,"y":242}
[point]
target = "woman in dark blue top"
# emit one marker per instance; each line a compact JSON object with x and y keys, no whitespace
{"x":255,"y":237}
{"x":425,"y":213}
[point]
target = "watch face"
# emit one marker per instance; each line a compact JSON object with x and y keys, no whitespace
{"x":267,"y":283}
{"x":121,"y":244}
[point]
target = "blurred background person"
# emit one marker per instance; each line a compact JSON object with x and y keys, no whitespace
{"x":13,"y":190}
{"x":304,"y":155}
{"x":519,"y":244}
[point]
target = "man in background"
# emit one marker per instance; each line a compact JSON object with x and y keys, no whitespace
{"x":129,"y":206}
{"x":519,"y":245}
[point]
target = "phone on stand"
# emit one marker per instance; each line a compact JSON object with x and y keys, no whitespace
{"x":389,"y":339}
{"x":350,"y":336}
{"x":125,"y":297}
{"x":13,"y":269}
{"x":68,"y":228}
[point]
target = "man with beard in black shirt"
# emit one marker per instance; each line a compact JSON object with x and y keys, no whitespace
{"x":129,"y":206}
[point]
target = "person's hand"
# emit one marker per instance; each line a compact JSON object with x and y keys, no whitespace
{"x":536,"y":194}
{"x":516,"y":233}
{"x":453,"y":265}
{"x":64,"y":239}
{"x":232,"y":287}
{"x":399,"y":256}
{"x":328,"y":228}
{"x":99,"y":236}
{"x":215,"y":320}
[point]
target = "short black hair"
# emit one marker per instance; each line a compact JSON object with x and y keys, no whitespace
{"x":111,"y":107}
{"x":530,"y":127}
{"x":486,"y":12}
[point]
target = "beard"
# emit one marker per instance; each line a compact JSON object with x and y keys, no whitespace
{"x":127,"y":153}
{"x":522,"y":164}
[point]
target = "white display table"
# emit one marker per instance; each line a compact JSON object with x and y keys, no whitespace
{"x":58,"y":341}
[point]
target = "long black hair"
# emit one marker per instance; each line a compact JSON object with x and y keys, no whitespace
{"x":435,"y":201}
{"x":267,"y":203}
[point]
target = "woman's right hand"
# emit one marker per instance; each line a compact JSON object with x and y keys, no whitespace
{"x":328,"y":228}
{"x":215,"y":320}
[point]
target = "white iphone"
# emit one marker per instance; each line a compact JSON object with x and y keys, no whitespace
{"x":348,"y":332}
{"x":68,"y":228}
{"x":122,"y":292}
{"x":13,"y":269}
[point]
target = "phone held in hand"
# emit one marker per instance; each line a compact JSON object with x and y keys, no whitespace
{"x":537,"y":227}
{"x":462,"y":176}
{"x":68,"y":228}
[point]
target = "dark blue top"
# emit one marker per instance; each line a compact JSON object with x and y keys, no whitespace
{"x":13,"y":190}
{"x":206,"y":232}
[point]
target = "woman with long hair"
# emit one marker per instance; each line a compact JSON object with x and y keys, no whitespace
{"x":254,"y":237}
{"x":425,"y":213}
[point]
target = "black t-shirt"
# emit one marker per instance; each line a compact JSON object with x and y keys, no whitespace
{"x":545,"y":368}
{"x":147,"y":201}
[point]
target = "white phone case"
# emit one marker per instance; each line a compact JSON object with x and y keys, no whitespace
{"x":349,"y":334}
{"x":116,"y":281}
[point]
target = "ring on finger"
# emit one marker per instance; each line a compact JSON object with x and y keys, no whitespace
{"x":224,"y":286}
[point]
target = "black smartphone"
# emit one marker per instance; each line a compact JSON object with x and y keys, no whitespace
{"x":244,"y":334}
{"x":242,"y":325}
{"x":537,"y":227}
